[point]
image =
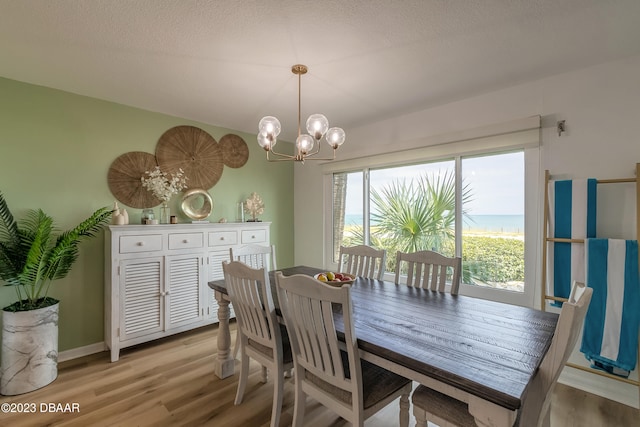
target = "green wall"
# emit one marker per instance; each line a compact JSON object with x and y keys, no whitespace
{"x":55,"y":152}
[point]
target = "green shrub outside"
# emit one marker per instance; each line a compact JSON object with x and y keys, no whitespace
{"x":493,"y":259}
{"x":484,"y":259}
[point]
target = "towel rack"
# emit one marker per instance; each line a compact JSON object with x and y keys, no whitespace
{"x":546,"y":240}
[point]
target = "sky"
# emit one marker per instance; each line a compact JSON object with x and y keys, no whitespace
{"x":496,"y":182}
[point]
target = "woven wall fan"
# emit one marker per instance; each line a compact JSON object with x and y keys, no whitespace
{"x":124,"y":179}
{"x":193,"y":150}
{"x":235,"y":151}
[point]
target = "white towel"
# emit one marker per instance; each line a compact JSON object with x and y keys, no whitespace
{"x":572,"y":215}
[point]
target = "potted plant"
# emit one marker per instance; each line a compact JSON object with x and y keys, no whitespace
{"x":31,"y":258}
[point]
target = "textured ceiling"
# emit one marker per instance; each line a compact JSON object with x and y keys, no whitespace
{"x":227,"y":62}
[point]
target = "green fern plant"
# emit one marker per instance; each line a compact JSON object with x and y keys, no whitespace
{"x":32,"y":257}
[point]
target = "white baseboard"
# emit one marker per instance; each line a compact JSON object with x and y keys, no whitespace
{"x":74,"y":353}
{"x":627,"y":394}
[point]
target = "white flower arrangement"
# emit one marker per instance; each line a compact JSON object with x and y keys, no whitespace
{"x":162,"y":185}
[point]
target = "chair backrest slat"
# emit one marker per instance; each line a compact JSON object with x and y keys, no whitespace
{"x":363,"y":261}
{"x":564,"y":340}
{"x":307,"y":306}
{"x":255,"y":256}
{"x":567,"y":330}
{"x":252,"y":302}
{"x":429,"y":270}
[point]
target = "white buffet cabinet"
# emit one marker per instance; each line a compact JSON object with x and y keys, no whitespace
{"x":156,"y":277}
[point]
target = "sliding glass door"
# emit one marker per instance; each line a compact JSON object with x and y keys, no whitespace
{"x":469,"y":206}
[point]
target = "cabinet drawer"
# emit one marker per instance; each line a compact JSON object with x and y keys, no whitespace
{"x":223,"y":238}
{"x":142,"y":243}
{"x":254,"y":236}
{"x":186,"y":240}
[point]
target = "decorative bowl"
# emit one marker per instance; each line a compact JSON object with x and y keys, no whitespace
{"x":346,"y":278}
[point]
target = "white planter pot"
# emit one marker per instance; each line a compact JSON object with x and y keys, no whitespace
{"x":29,"y":350}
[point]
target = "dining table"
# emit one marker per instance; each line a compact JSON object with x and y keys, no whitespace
{"x":484,"y":353}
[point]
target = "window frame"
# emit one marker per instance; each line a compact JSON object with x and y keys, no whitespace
{"x":522,"y":135}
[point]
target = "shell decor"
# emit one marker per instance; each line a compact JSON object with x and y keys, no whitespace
{"x":254,"y":206}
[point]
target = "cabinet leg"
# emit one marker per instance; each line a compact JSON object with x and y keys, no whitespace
{"x":224,"y":364}
{"x":115,"y":353}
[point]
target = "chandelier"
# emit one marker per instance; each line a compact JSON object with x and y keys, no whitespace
{"x":307,"y":145}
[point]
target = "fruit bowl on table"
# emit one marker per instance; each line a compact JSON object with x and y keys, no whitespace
{"x":335,"y":279}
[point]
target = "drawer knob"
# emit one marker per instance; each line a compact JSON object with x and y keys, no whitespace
{"x":222,"y":238}
{"x":185,"y":241}
{"x":140,"y":243}
{"x":253,"y":237}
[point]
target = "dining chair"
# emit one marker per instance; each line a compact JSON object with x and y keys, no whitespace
{"x":261,"y":336}
{"x":432,"y":406}
{"x":363,"y":261}
{"x":429,"y":270}
{"x":255,"y":256}
{"x":353,"y":388}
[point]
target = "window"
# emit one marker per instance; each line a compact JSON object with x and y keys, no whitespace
{"x":348,"y":219}
{"x":412,"y":208}
{"x":493,"y":221}
{"x":469,"y":204}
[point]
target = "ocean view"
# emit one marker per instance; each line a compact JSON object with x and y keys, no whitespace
{"x":493,"y":223}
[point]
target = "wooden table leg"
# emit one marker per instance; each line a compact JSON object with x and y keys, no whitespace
{"x":224,"y":364}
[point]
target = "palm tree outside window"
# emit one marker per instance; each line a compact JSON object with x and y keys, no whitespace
{"x":413,"y":208}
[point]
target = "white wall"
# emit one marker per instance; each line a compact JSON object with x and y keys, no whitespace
{"x":601,"y":106}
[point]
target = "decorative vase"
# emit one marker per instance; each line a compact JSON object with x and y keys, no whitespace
{"x":116,"y":218}
{"x":165,"y":213}
{"x":115,"y":213}
{"x":240,"y":214}
{"x":29,"y":349}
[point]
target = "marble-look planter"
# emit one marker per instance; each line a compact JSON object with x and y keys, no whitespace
{"x":29,"y":350}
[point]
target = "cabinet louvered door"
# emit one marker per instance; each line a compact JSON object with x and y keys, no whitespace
{"x":183,"y":295}
{"x":215,"y":272}
{"x":141,"y":301}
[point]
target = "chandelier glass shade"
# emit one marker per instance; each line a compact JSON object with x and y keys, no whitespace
{"x":308,"y":144}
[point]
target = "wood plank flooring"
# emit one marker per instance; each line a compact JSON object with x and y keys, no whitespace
{"x":171,"y":382}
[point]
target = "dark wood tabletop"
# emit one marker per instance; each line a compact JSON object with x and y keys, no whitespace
{"x":485,"y":348}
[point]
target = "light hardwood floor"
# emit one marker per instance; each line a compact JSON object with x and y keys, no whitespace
{"x":171,"y":382}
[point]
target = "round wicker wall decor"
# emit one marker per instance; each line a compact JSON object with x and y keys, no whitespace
{"x":194,"y":151}
{"x":124,"y":179}
{"x":235,"y":151}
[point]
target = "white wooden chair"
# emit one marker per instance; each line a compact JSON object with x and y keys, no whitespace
{"x":363,"y":261}
{"x":261,"y":336}
{"x":339,"y":379}
{"x":429,"y":270}
{"x":430,"y":405}
{"x":255,"y":256}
